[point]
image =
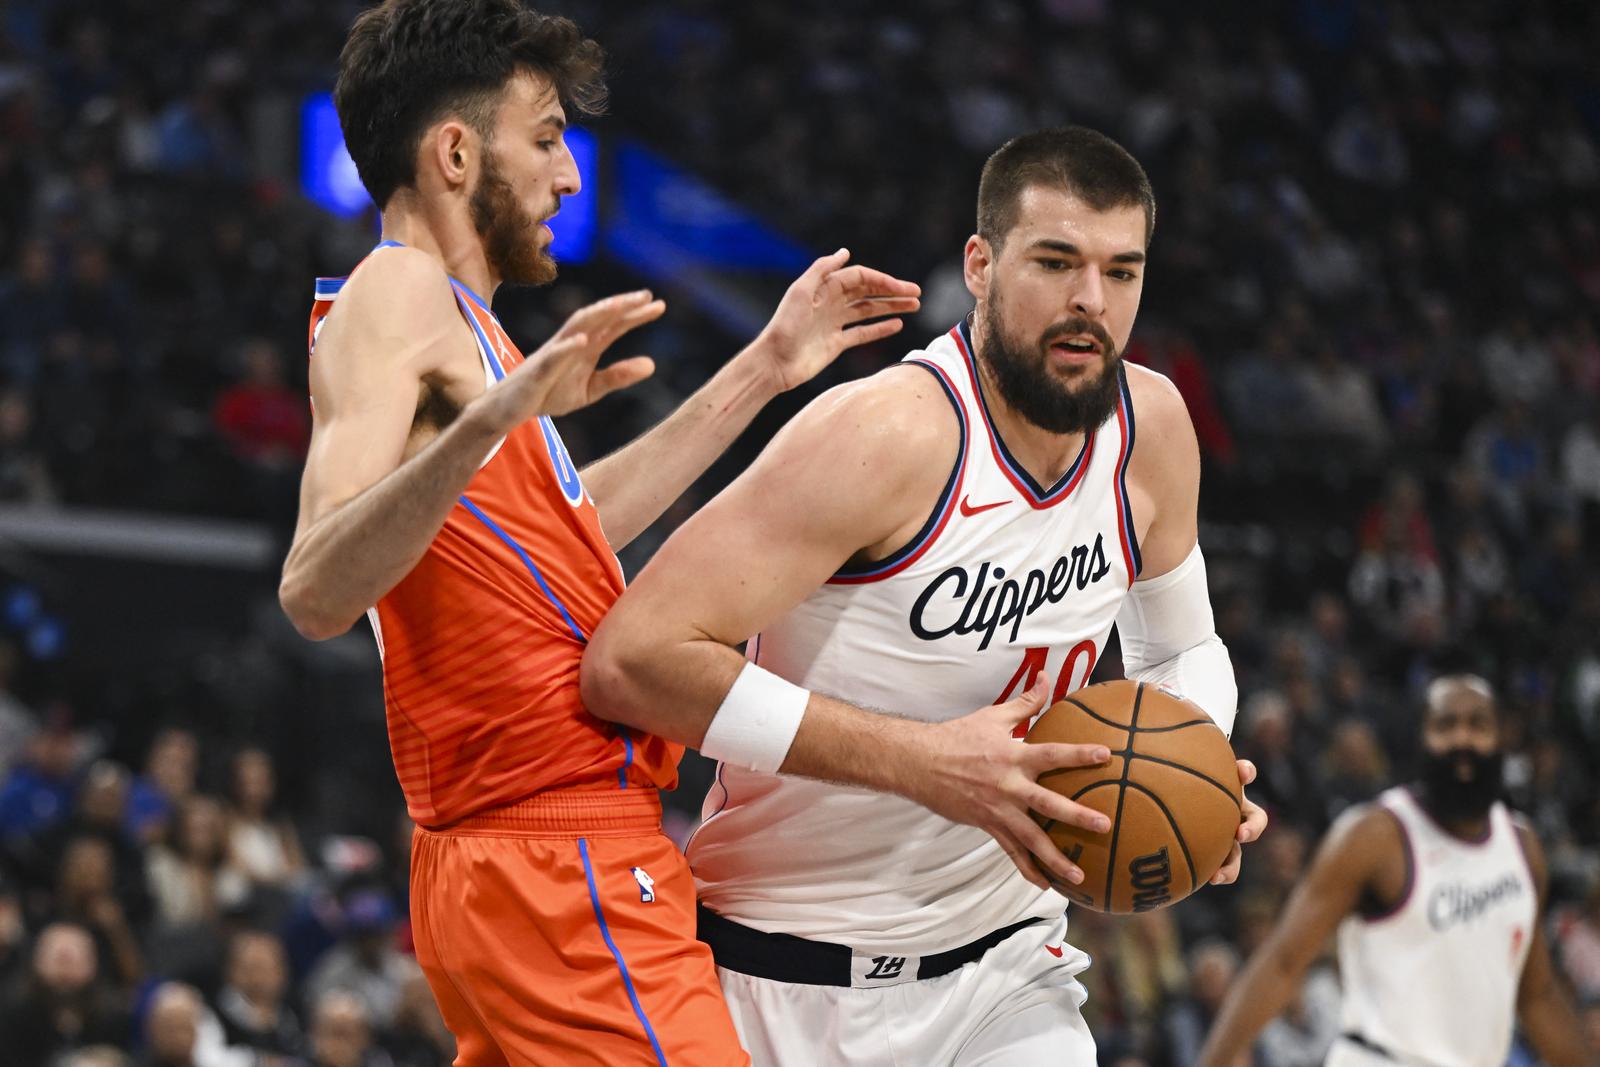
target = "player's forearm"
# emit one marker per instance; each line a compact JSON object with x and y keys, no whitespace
{"x":633,"y":485}
{"x":1553,"y":1028}
{"x":345,"y":561}
{"x":1257,"y":997}
{"x":676,"y":689}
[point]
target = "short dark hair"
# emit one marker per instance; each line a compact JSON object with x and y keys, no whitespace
{"x":1074,"y":159}
{"x":409,"y":63}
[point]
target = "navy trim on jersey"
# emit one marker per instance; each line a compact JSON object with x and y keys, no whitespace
{"x":946,"y":498}
{"x":1065,"y":483}
{"x":1130,"y":536}
{"x":328,"y":288}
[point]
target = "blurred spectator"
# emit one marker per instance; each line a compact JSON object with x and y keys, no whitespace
{"x":263,"y":421}
{"x":96,"y":1056}
{"x":1283,"y":778}
{"x":419,"y":1037}
{"x":38,"y":792}
{"x":1507,"y":450}
{"x":86,"y":895}
{"x":1356,"y":769}
{"x":1302,"y":1035}
{"x":24,"y":476}
{"x":365,"y":962}
{"x":180,"y":1031}
{"x":13,"y":937}
{"x":1342,"y":405}
{"x":192,"y":879}
{"x":61,"y":1003}
{"x":251,"y":1004}
{"x":1212,"y":965}
{"x":169,"y":778}
{"x":99,"y":812}
{"x":341,"y":1033}
{"x":261,"y":840}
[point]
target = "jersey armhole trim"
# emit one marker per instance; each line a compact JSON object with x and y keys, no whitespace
{"x":912,"y":550}
{"x":1411,"y":873}
{"x":1125,"y":529}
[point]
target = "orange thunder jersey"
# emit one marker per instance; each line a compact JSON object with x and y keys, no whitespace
{"x":481,"y":641}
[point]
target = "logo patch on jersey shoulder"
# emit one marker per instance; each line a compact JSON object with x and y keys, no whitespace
{"x":647,"y":885}
{"x":561,"y":462}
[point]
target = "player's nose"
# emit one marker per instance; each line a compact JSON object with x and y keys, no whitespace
{"x":1089,"y":295}
{"x":567,"y":179}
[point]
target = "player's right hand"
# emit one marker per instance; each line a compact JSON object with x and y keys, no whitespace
{"x":981,"y":775}
{"x":561,"y":376}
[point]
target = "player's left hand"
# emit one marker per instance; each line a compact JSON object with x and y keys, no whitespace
{"x":817,"y":318}
{"x":1252,"y":821}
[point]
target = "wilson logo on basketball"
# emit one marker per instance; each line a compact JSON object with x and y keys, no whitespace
{"x":1151,"y":878}
{"x":991,"y":601}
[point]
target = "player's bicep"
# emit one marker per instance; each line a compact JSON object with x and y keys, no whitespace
{"x":837,"y":479}
{"x":1163,"y":473}
{"x":1347,"y":865}
{"x":395,"y":323}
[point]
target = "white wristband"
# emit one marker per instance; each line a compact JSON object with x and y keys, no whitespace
{"x":757,"y":721}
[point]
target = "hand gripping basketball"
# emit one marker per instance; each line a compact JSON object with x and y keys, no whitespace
{"x":982,"y":777}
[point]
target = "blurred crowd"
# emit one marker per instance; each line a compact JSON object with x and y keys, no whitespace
{"x":1375,"y":278}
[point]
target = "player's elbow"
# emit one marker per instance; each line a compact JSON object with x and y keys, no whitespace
{"x":309,"y":616}
{"x":611,"y":678}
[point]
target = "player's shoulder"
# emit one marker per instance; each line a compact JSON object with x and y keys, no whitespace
{"x":1370,"y":831}
{"x":1532,"y":847}
{"x":901,"y":411}
{"x":397,"y":287}
{"x":1157,"y":405}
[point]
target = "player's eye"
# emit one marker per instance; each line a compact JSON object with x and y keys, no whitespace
{"x":547,"y":145}
{"x":1053,"y":264}
{"x":1124,"y":275}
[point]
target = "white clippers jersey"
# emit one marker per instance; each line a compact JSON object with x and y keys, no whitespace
{"x":1005,"y":581}
{"x":1434,"y":981}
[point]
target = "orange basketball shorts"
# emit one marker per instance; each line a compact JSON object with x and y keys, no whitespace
{"x":561,"y":931}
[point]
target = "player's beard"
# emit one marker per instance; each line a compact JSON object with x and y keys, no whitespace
{"x":1453,"y":797}
{"x":510,"y":235}
{"x":1022,"y":374}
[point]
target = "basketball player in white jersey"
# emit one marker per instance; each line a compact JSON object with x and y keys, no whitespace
{"x":1437,"y":893}
{"x":957,"y":530}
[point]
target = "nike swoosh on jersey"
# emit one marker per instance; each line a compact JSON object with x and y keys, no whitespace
{"x":968,"y":509}
{"x":1054,"y":950}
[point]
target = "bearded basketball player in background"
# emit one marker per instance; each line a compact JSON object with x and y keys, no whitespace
{"x":939,"y":535}
{"x":1437,"y":892}
{"x":554,"y":921}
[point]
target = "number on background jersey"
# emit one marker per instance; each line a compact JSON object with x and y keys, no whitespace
{"x":1074,"y":675}
{"x":566,"y":472}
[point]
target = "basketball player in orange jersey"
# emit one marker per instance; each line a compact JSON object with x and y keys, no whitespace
{"x":554,"y":921}
{"x":1437,"y":893}
{"x":931,"y":538}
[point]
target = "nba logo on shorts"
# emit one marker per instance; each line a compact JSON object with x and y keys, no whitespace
{"x":647,"y":885}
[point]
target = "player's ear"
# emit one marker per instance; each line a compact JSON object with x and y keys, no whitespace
{"x":977,"y":261}
{"x":449,"y":148}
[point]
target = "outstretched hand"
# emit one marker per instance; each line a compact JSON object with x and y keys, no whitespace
{"x":562,"y":375}
{"x":823,"y":314}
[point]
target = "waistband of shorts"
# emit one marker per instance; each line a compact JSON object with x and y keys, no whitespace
{"x":566,"y":813}
{"x":801,"y":961}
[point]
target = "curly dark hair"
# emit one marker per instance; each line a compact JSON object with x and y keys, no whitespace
{"x":1075,"y":159}
{"x":409,"y":63}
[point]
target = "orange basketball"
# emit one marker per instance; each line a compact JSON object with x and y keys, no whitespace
{"x":1171,"y":791}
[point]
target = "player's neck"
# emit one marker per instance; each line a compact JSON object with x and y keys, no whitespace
{"x":450,"y":239}
{"x":1044,"y":455}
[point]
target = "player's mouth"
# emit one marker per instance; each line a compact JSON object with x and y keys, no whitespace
{"x":1077,"y":349}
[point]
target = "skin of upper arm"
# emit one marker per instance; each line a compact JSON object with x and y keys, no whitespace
{"x":1163,"y":473}
{"x":394,"y":327}
{"x":856,"y":472}
{"x":1363,"y":851}
{"x":1538,"y":972}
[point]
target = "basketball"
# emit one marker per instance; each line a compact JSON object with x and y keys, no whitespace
{"x":1171,"y":791}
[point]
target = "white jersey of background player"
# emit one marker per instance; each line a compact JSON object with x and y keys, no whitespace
{"x":926,"y":541}
{"x":1436,"y":890}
